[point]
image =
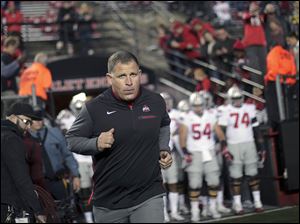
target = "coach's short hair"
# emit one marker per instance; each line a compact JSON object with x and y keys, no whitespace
{"x":123,"y":57}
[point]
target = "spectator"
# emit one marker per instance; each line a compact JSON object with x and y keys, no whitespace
{"x":58,"y":160}
{"x":255,"y":41}
{"x":39,"y":76}
{"x":164,"y":36}
{"x":223,"y":53}
{"x":12,"y":17}
{"x":293,"y":42}
{"x":183,"y":41}
{"x":10,"y":66}
{"x":66,"y":18}
{"x":85,"y":29}
{"x":222,"y":10}
{"x":17,"y":190}
{"x":294,"y":18}
{"x":203,"y":82}
{"x":239,"y":61}
{"x":275,"y":33}
{"x":199,"y":27}
{"x":208,"y":47}
{"x":207,"y":52}
{"x":275,"y":28}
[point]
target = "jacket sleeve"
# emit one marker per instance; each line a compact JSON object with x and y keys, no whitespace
{"x":164,"y":138}
{"x":15,"y":161}
{"x":67,"y":155}
{"x":10,"y":69}
{"x":164,"y":132}
{"x":79,"y":136}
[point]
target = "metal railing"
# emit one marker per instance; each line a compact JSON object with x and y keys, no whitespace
{"x":213,"y":79}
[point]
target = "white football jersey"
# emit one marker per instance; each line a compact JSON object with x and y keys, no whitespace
{"x":239,"y":122}
{"x":200,"y":135}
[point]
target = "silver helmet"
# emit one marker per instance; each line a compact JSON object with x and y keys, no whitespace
{"x":235,"y":96}
{"x":183,"y":105}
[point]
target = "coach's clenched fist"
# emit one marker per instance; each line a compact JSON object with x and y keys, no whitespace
{"x":105,"y":140}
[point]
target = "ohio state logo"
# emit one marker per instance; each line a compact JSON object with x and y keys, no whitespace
{"x":146,"y":108}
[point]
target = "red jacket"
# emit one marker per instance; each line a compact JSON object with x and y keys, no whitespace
{"x":189,"y":39}
{"x":254,"y":34}
{"x":204,"y":85}
{"x":15,"y":17}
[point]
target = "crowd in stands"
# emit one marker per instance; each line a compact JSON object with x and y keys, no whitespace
{"x":66,"y":20}
{"x":266,"y":27}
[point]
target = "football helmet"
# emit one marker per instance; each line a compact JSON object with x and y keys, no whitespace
{"x":183,"y":105}
{"x":197,"y":102}
{"x":235,"y":96}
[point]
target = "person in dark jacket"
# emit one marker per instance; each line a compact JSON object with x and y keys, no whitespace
{"x":34,"y":160}
{"x":17,"y":190}
{"x":126,"y":130}
{"x":10,"y":66}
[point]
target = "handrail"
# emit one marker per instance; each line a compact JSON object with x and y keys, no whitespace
{"x":116,"y":10}
{"x":280,"y":101}
{"x":214,"y":68}
{"x":213,"y":79}
{"x":175,"y":86}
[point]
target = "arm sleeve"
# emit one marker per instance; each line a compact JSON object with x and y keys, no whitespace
{"x":15,"y":161}
{"x":79,"y":136}
{"x":69,"y":159}
{"x":165,"y":119}
{"x":10,"y":69}
{"x":164,"y":138}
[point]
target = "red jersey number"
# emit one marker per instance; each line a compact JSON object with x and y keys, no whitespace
{"x":197,"y":133}
{"x":245,"y":119}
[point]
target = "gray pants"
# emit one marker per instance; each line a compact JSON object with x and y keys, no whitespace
{"x":150,"y":211}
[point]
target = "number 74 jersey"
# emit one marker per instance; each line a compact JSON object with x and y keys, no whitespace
{"x":239,"y":122}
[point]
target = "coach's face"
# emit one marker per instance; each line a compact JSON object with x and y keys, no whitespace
{"x":125,"y":80}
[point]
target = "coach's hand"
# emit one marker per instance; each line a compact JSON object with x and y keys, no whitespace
{"x":165,"y":159}
{"x":105,"y":140}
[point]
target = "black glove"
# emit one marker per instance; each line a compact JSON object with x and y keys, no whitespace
{"x":187,"y":155}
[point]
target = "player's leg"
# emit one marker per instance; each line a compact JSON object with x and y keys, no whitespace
{"x":236,"y":174}
{"x":251,"y":170}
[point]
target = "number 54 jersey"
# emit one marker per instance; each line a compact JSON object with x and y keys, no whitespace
{"x":239,"y":122}
{"x":200,"y":135}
